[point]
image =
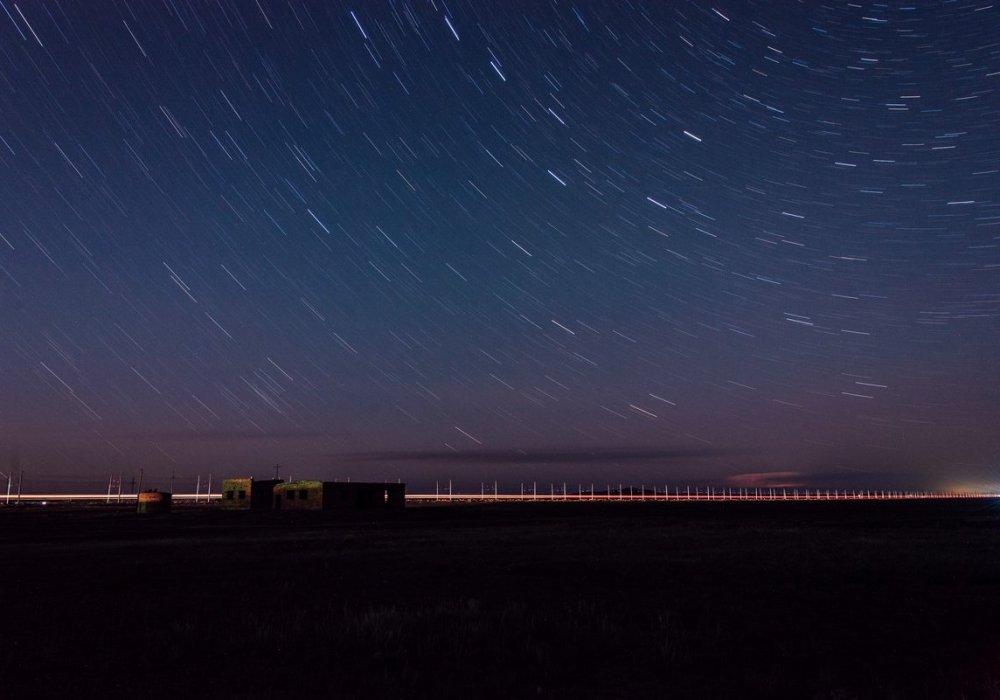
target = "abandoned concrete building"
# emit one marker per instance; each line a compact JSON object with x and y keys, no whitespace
{"x":247,"y":493}
{"x":336,"y":495}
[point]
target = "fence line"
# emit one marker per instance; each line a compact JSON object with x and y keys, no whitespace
{"x":624,"y":495}
{"x":677,"y":494}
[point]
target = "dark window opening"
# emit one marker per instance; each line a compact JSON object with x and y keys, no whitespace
{"x":289,"y":495}
{"x":243,"y":495}
{"x":303,"y":494}
{"x":229,"y":495}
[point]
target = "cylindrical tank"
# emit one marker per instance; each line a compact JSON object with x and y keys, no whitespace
{"x":153,"y":502}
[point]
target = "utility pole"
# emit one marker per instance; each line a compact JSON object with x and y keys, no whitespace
{"x":14,"y":465}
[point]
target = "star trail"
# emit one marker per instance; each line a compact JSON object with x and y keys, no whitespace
{"x":676,"y":240}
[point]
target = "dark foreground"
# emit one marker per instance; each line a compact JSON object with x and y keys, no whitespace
{"x":798,"y":600}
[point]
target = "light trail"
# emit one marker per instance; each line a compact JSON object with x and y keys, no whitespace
{"x":765,"y":495}
{"x":636,"y":496}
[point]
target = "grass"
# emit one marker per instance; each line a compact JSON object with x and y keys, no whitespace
{"x":820,"y":600}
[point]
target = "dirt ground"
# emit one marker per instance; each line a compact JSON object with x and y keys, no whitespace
{"x":828,"y":600}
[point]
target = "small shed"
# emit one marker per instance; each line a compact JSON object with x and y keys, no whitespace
{"x":151,"y":502}
{"x":338,"y":495}
{"x":247,"y":493}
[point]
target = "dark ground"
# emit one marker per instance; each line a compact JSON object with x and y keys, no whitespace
{"x":619,"y":600}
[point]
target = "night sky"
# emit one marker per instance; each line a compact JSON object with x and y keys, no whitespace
{"x":739,"y":243}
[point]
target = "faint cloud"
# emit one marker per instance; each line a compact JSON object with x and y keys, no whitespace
{"x":545,"y":456}
{"x":218,"y":436}
{"x":773,"y":480}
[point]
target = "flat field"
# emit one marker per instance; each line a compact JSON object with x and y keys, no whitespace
{"x":828,"y":600}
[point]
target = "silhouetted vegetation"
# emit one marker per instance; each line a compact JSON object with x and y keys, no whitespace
{"x":804,"y":600}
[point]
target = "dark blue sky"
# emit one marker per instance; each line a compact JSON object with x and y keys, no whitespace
{"x":652,"y":242}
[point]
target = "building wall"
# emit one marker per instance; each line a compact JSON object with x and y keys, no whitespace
{"x":236,"y":493}
{"x":395,"y":495}
{"x":298,"y":495}
{"x":247,"y":493}
{"x":262,"y":494}
{"x":363,"y":495}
